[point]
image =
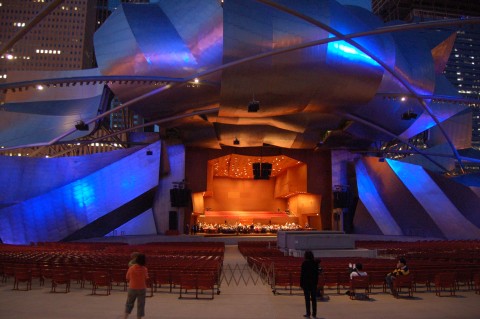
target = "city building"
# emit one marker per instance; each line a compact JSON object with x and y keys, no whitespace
{"x":463,"y":66}
{"x":61,"y":41}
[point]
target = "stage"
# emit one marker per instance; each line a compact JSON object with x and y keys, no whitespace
{"x":237,"y":217}
{"x":230,"y":239}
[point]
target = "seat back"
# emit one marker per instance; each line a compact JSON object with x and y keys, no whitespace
{"x":360,"y":282}
{"x":403,"y":281}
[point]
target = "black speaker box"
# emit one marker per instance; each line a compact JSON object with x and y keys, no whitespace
{"x":340,"y":199}
{"x":179,"y":197}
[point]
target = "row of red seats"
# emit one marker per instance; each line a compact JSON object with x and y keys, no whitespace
{"x":283,"y":271}
{"x":63,"y":265}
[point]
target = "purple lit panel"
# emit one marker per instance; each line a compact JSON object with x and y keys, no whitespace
{"x":442,"y":211}
{"x":54,"y":215}
{"x":374,"y":203}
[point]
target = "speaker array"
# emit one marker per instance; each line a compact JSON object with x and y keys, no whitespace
{"x":179,"y":197}
{"x":262,"y":170}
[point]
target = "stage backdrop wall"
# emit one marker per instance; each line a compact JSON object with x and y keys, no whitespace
{"x":244,"y":194}
{"x":319,"y":172}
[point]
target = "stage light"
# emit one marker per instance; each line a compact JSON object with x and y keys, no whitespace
{"x":409,"y":115}
{"x":149,"y":152}
{"x":81,"y":126}
{"x":236,"y":141}
{"x":253,"y":106}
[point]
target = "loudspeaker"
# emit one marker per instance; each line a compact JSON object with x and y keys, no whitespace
{"x":179,"y":197}
{"x":262,"y":170}
{"x":340,"y":199}
{"x":256,"y":170}
{"x":81,"y":126}
{"x":266,"y":170}
{"x":172,"y":220}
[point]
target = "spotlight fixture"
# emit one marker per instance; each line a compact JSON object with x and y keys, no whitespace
{"x":149,"y":152}
{"x":236,"y":141}
{"x":409,"y":115}
{"x":253,"y":106}
{"x":81,"y":126}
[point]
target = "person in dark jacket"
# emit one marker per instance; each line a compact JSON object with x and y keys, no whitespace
{"x":309,"y":282}
{"x":400,"y":270}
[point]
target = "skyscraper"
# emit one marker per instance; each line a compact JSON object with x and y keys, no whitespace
{"x":63,"y":40}
{"x":463,"y":66}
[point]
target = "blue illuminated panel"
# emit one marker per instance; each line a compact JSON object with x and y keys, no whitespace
{"x":347,"y":51}
{"x":373,"y":202}
{"x":55,"y":215}
{"x":442,"y":211}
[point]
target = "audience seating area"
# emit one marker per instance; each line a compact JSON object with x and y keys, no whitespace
{"x":101,"y":267}
{"x":194,"y":269}
{"x":448,"y":266}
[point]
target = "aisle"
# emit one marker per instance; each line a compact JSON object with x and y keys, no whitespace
{"x":237,"y":277}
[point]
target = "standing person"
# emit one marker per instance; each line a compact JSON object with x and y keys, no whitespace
{"x":137,"y":276}
{"x":133,"y":258}
{"x":309,"y":282}
{"x":400,"y":270}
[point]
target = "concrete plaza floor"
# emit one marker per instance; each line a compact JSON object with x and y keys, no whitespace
{"x":236,"y":301}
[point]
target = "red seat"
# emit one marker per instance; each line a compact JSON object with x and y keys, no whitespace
{"x":37,"y":273}
{"x":76,"y":274}
{"x":60,"y":278}
{"x":100,"y":279}
{"x":119,"y":278}
{"x":286,"y":279}
{"x":377,"y":278}
{"x":424,"y":277}
{"x":464,"y":277}
{"x":331,"y":280}
{"x":8,"y":271}
{"x":359,"y":283}
{"x":203,"y":280}
{"x":476,"y":282}
{"x":206,"y":281}
{"x":445,"y":281}
{"x":161,"y":277}
{"x":22,"y":275}
{"x":403,"y":281}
